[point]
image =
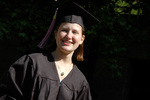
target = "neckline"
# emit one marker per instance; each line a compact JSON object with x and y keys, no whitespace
{"x":58,"y":73}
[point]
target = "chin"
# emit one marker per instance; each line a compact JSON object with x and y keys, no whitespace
{"x":67,"y":50}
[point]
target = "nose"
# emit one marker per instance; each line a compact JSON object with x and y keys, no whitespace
{"x":69,"y":34}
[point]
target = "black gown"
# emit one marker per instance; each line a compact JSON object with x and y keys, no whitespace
{"x":34,"y":77}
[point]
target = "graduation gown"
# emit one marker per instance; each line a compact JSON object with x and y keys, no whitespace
{"x":35,"y":77}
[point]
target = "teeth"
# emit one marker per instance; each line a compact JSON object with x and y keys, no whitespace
{"x":67,"y":41}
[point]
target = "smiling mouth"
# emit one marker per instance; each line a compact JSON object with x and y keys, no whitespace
{"x":67,"y":42}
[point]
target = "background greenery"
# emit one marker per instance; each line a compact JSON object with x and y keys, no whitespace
{"x":121,"y":23}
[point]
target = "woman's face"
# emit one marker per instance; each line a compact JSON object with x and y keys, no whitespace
{"x":69,"y":37}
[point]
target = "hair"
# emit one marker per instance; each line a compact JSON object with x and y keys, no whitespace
{"x":78,"y":53}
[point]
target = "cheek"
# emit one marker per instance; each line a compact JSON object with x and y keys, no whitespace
{"x":77,"y":39}
{"x":59,"y":35}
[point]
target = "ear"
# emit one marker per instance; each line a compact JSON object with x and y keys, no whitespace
{"x":82,"y":39}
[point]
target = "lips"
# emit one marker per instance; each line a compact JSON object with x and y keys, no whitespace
{"x":66,"y":42}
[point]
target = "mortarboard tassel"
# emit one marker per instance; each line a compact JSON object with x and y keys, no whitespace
{"x":43,"y":42}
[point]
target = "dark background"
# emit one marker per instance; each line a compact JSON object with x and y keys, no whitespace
{"x":117,"y":50}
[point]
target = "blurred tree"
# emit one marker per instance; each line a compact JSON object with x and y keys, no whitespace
{"x":121,"y":22}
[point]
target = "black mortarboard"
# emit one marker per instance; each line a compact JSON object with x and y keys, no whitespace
{"x":72,"y":13}
{"x":75,"y":9}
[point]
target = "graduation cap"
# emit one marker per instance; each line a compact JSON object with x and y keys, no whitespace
{"x":71,"y":13}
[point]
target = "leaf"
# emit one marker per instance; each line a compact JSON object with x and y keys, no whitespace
{"x":23,"y":35}
{"x":22,"y":22}
{"x":119,"y":74}
{"x":14,"y":14}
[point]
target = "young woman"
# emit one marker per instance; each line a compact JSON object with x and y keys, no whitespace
{"x":52,"y":75}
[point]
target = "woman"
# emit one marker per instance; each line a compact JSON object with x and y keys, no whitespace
{"x":52,"y":75}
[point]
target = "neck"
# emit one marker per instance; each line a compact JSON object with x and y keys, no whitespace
{"x":63,"y":58}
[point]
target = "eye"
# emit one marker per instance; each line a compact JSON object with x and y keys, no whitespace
{"x":64,"y":30}
{"x":74,"y":32}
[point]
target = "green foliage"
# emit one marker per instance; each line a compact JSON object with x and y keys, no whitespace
{"x":128,"y":7}
{"x":117,"y":30}
{"x":27,"y":21}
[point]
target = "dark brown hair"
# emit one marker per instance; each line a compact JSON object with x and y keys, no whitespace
{"x":79,"y":52}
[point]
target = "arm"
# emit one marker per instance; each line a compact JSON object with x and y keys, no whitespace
{"x":85,"y":93}
{"x":13,"y":84}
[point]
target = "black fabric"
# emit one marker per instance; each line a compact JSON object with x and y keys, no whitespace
{"x":34,"y":77}
{"x":72,"y":19}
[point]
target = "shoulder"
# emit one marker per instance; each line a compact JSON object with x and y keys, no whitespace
{"x":80,"y":76}
{"x":40,"y":60}
{"x":36,"y":56}
{"x":30,"y":56}
{"x":43,"y":64}
{"x":34,"y":60}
